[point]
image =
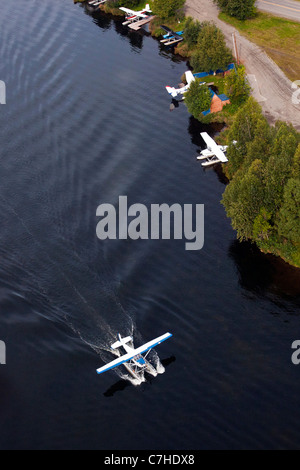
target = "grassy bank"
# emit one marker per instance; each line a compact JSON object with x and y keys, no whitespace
{"x":280,"y":38}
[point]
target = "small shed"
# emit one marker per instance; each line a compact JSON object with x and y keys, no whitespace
{"x":218,"y":102}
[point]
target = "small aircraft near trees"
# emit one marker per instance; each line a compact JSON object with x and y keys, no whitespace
{"x":134,"y":16}
{"x":213,"y":153}
{"x":172,"y":37}
{"x":174,"y":92}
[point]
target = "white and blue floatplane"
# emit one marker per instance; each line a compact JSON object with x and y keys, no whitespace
{"x":134,"y":360}
{"x":172,"y":37}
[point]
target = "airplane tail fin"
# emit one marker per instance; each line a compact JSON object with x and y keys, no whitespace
{"x":120,"y":343}
{"x":147,"y":8}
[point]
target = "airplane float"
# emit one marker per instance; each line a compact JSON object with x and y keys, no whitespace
{"x":134,"y":16}
{"x":213,"y":153}
{"x":174,"y":92}
{"x":133,"y":359}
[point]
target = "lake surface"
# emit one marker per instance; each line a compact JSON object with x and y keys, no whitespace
{"x":87,"y":120}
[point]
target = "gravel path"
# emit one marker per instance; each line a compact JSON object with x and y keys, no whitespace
{"x":272,"y":89}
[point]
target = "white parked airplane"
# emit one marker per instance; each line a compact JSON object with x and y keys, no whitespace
{"x":132,"y":15}
{"x":174,"y":92}
{"x":135,"y":363}
{"x":214,"y":153}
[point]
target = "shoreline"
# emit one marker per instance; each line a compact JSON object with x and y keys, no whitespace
{"x":217,"y":118}
{"x":273,"y":90}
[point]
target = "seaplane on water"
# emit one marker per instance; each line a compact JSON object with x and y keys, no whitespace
{"x":134,"y":16}
{"x":134,"y":360}
{"x":174,"y":92}
{"x":213,"y":153}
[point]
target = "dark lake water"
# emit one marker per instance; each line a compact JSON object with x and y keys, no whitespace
{"x":87,"y":119}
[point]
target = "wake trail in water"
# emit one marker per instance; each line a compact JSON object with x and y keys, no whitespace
{"x":66,"y":288}
{"x":46,"y":257}
{"x":70,"y":292}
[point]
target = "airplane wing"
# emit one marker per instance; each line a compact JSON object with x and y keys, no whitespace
{"x":137,"y":14}
{"x":211,"y":144}
{"x":221,"y":155}
{"x":165,"y":28}
{"x":127,"y":357}
{"x":155,"y":342}
{"x":178,"y":34}
{"x":117,"y":362}
{"x":189,"y":77}
{"x":208,"y":140}
{"x":128,"y":11}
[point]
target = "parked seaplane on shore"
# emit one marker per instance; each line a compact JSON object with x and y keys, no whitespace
{"x":213,"y":153}
{"x":172,"y":37}
{"x":174,"y":92}
{"x":134,"y":360}
{"x":136,"y":16}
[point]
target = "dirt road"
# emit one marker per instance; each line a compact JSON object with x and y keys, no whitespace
{"x":274,"y":91}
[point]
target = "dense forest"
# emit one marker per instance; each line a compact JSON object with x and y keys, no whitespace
{"x":263,"y":197}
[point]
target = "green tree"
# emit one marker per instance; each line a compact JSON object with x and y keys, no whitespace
{"x":262,"y":227}
{"x":289,"y":217}
{"x":241,"y":9}
{"x":242,"y":131}
{"x":296,"y":164}
{"x":279,"y":166}
{"x":123,"y":3}
{"x":167,"y":8}
{"x":197,"y":99}
{"x":191,"y":31}
{"x":260,"y":146}
{"x":212,"y":52}
{"x":244,"y":198}
{"x":236,"y":86}
{"x":263,"y":197}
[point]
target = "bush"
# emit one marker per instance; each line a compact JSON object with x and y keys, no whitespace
{"x":123,"y":3}
{"x":212,"y":52}
{"x":168,"y":8}
{"x":236,"y":86}
{"x":198,"y":99}
{"x":191,"y":31}
{"x":241,"y":9}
